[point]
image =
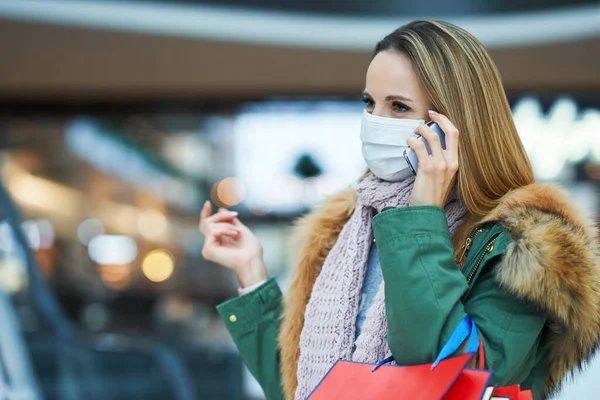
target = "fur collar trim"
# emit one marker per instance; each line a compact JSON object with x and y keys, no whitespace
{"x":552,"y":261}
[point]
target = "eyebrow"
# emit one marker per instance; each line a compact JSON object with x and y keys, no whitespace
{"x":392,"y":97}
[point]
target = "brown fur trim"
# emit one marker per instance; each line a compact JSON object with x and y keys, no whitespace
{"x":552,"y":261}
{"x":315,"y":235}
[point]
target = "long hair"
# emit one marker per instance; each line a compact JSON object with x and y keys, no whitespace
{"x":463,"y":83}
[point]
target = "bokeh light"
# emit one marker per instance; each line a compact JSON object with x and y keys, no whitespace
{"x":230,"y":192}
{"x":46,"y":232}
{"x":89,"y":229}
{"x":112,"y":249}
{"x":13,"y":275}
{"x":153,"y":225}
{"x":158,"y":266}
{"x":7,"y":240}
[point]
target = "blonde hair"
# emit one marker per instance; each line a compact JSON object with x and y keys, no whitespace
{"x":463,"y":83}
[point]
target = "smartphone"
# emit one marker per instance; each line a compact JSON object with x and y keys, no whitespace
{"x":411,"y":156}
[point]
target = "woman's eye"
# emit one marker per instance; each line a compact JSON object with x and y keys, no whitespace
{"x":368,"y":103}
{"x":399,"y":108}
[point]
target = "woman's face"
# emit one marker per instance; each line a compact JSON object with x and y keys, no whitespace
{"x":392,"y":88}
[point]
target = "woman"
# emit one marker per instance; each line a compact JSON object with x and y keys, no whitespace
{"x":392,"y":266}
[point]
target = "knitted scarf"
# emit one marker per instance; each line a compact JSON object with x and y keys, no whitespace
{"x":328,"y":334}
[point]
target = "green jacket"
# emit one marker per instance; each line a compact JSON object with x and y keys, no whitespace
{"x":427,"y":295}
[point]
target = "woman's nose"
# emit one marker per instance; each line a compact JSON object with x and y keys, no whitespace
{"x":380,"y":112}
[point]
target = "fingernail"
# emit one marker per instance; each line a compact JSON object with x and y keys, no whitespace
{"x":234,"y":213}
{"x":432,"y":112}
{"x":206,"y":202}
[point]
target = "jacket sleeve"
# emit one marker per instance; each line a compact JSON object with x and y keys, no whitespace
{"x":253,"y":322}
{"x":423,"y":289}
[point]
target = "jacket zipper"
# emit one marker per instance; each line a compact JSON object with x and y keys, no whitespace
{"x":467,"y":246}
{"x":488,"y":249}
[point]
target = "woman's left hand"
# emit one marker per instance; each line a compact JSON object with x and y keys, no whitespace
{"x":437,"y":172}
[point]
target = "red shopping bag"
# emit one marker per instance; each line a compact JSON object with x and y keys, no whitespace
{"x":510,"y":392}
{"x":471,"y":384}
{"x":353,"y":381}
{"x":357,"y":381}
{"x":445,"y":379}
{"x":526,"y":395}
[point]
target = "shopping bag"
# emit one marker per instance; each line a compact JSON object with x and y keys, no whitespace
{"x":447,"y":378}
{"x":508,"y":393}
{"x":357,"y":381}
{"x":352,"y":381}
{"x":471,"y":384}
{"x":526,"y":395}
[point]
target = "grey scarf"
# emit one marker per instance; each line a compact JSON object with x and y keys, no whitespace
{"x":330,"y":317}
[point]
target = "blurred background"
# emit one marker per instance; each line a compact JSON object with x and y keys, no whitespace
{"x":118,"y":119}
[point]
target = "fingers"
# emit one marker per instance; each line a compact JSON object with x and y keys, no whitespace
{"x":226,"y":214}
{"x":223,"y":229}
{"x":218,"y":237}
{"x":433,"y":140}
{"x":421,"y":151}
{"x":223,"y":215}
{"x":229,"y":217}
{"x":206,"y":212}
{"x":452,"y":135}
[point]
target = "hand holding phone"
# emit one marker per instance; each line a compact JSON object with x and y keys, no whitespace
{"x":411,"y":156}
{"x":438,"y":161}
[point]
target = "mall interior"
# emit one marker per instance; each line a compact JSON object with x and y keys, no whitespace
{"x":119,"y":119}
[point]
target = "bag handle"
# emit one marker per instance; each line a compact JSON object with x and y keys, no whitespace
{"x":466,"y":328}
{"x":481,"y":355}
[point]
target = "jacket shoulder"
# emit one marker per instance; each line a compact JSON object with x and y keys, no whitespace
{"x":551,"y":260}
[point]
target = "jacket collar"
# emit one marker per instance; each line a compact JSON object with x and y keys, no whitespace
{"x":552,"y":262}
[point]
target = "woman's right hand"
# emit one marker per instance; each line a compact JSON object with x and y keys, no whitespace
{"x":230,"y":243}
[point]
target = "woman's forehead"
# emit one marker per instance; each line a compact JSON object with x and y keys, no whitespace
{"x":392,"y":73}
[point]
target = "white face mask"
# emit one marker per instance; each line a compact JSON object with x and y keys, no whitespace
{"x":384,"y":143}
